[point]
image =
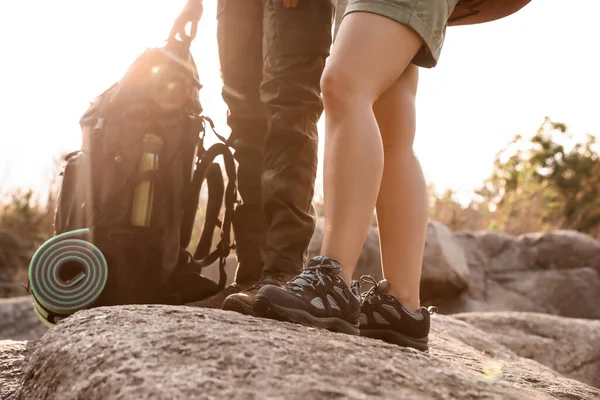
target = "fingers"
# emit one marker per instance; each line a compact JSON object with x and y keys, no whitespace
{"x":179,"y":27}
{"x":176,"y":29}
{"x":193,"y":30}
{"x":191,"y":14}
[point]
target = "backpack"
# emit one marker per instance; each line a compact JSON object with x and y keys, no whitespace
{"x":128,"y":199}
{"x":469,"y":12}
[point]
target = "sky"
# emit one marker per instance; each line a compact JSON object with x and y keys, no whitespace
{"x":493,"y":81}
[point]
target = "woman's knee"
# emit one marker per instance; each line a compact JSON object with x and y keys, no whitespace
{"x":340,"y":89}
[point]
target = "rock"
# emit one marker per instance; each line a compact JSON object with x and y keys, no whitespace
{"x":18,"y":321}
{"x":182,"y":352}
{"x":569,"y":346}
{"x":571,"y":293}
{"x":532,"y":251}
{"x":445,"y":270}
{"x":12,"y":360}
{"x":556,"y":273}
{"x":561,"y":249}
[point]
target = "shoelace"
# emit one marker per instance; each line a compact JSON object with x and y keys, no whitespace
{"x":308,"y":276}
{"x":374,"y":286}
{"x":373,"y":291}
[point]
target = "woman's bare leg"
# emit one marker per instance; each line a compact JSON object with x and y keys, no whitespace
{"x":370,"y":53}
{"x":402,"y":202}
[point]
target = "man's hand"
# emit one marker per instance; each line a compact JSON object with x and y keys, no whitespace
{"x":290,"y":3}
{"x":191,"y":13}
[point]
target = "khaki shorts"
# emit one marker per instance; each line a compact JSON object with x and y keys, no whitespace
{"x":426,"y":17}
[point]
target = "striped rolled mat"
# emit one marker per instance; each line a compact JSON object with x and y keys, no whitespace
{"x":66,"y":274}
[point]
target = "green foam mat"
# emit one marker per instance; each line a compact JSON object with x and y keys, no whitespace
{"x":67,"y":273}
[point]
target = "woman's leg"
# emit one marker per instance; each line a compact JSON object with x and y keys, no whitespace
{"x":370,"y":53}
{"x":402,"y":202}
{"x":368,"y":74}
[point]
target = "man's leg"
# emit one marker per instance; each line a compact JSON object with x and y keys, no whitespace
{"x":240,"y":38}
{"x":297,"y":43}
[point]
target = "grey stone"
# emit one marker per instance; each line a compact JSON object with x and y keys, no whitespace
{"x":164,"y":352}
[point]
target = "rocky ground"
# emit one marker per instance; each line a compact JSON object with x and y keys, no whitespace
{"x":187,"y":353}
{"x":569,"y":346}
{"x":13,"y":355}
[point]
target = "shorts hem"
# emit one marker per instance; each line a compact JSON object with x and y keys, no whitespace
{"x":431,"y":41}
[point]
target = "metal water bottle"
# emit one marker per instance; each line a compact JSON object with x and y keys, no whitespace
{"x":143,"y":195}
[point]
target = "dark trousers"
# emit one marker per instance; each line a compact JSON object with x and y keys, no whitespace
{"x":272,"y":59}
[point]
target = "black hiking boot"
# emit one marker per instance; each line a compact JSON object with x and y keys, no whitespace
{"x":383,"y":317}
{"x":316,"y":297}
{"x":242,"y":301}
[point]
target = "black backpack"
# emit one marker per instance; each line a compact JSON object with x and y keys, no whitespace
{"x":128,"y":199}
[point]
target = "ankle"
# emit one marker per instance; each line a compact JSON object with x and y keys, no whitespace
{"x":411,"y":305}
{"x":411,"y":302}
{"x":347,"y":278}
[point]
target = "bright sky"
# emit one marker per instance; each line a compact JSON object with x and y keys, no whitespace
{"x":493,"y":81}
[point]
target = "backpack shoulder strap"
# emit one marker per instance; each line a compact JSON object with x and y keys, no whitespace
{"x":216,"y":192}
{"x":207,"y":169}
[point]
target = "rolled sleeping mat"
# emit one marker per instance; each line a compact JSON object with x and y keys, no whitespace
{"x":66,"y":274}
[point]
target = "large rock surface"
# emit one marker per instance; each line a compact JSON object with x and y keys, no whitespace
{"x":189,"y":353}
{"x":569,"y":346}
{"x":12,"y":359}
{"x":18,"y":321}
{"x":445,"y":270}
{"x":554,"y":273}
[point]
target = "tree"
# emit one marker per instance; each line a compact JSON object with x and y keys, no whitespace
{"x":549,"y":180}
{"x":24,"y":225}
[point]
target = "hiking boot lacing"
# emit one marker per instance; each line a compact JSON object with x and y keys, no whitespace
{"x":375,"y":292}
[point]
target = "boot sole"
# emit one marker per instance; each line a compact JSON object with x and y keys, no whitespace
{"x":262,"y":307}
{"x":396,"y":338}
{"x":237,"y":305}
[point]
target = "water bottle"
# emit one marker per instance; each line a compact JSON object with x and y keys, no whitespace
{"x":143,"y":196}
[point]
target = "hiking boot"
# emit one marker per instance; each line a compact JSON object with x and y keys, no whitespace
{"x":383,"y":317}
{"x":242,"y":301}
{"x":217,"y":300}
{"x":317,"y":297}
